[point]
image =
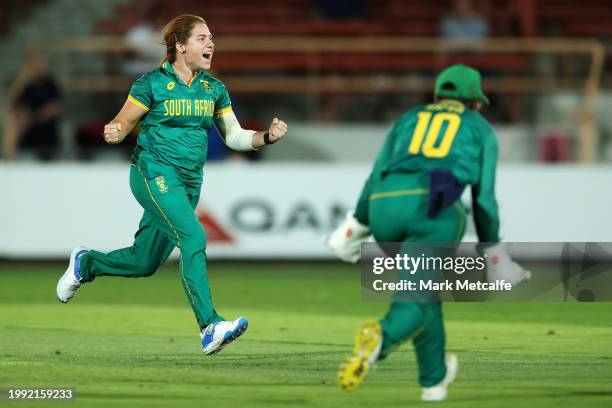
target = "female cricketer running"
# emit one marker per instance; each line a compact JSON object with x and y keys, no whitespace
{"x":176,"y":105}
{"x":413,"y":195}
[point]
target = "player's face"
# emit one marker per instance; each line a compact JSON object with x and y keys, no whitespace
{"x":199,"y":48}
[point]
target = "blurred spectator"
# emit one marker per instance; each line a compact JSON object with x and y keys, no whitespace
{"x":145,"y":38}
{"x":555,"y":147}
{"x":34,"y":106}
{"x":464,"y":23}
{"x":467,"y":30}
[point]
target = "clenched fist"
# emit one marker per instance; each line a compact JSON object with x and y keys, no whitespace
{"x":113,"y":134}
{"x":278,"y":129}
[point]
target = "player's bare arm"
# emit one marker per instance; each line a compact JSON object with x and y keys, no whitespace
{"x":124,"y":122}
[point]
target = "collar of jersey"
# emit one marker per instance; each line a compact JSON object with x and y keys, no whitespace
{"x":451,"y":102}
{"x":170,"y":70}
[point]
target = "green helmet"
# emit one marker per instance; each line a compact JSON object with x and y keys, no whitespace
{"x":460,"y":82}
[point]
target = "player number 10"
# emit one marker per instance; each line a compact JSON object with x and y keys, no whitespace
{"x":428,"y":146}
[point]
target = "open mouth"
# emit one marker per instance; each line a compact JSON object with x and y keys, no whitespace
{"x":207,"y":55}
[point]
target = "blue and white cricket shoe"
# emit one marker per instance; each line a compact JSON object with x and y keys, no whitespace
{"x":216,"y":335}
{"x":70,"y":281}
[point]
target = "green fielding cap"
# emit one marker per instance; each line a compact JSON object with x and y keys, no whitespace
{"x":460,"y":82}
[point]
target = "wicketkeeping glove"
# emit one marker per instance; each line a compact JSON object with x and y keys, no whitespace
{"x":501,"y":267}
{"x":345,"y":241}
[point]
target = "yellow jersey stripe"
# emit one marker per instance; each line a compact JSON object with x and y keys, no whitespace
{"x":195,"y":74}
{"x":223,"y":111}
{"x":461,"y":225}
{"x":399,"y":193}
{"x":178,"y":238}
{"x":137,"y":103}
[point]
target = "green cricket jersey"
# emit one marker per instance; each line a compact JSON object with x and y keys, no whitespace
{"x":174,"y":131}
{"x":445,"y":136}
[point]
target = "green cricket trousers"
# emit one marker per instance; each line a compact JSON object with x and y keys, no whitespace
{"x":397,"y":212}
{"x":168,"y":221}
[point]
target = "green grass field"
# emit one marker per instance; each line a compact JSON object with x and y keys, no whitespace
{"x":133,"y":342}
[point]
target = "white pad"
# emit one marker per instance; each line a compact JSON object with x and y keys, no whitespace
{"x":501,"y":267}
{"x":234,"y":136}
{"x":345,"y":241}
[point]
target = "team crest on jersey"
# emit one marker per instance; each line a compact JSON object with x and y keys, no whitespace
{"x":205,"y":85}
{"x":161,"y":184}
{"x":170,"y":85}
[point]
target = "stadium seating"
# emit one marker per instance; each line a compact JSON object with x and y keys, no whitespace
{"x":391,"y":18}
{"x":299,"y":18}
{"x":388,"y":18}
{"x":14,"y":10}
